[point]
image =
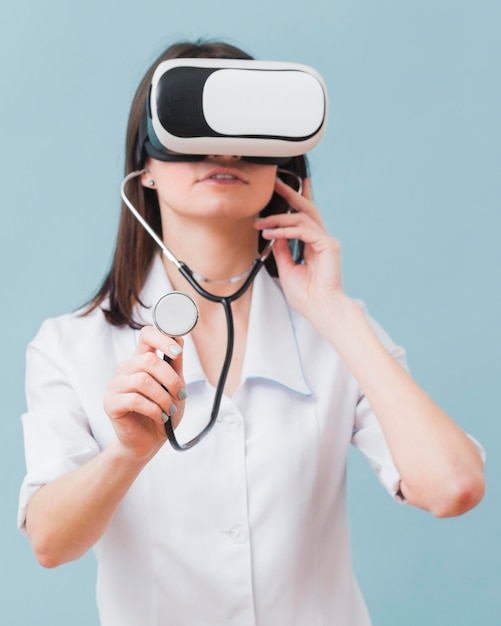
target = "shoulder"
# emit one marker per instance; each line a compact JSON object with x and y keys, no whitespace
{"x":311,"y":341}
{"x":79,"y":349}
{"x":71,"y":333}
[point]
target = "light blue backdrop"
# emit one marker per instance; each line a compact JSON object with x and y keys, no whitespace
{"x":408,"y":178}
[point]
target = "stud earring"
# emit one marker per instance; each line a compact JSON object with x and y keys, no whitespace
{"x":151,"y":183}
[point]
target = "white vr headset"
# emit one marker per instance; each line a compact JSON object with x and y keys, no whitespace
{"x":263,"y":111}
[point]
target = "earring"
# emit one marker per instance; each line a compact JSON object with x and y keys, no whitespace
{"x":151,"y":183}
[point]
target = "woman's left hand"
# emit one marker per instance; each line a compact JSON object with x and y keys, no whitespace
{"x":307,"y":286}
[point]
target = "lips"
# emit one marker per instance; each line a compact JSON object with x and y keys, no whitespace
{"x":223,"y":177}
{"x":224,"y":174}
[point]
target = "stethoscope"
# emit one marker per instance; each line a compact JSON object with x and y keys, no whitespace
{"x":175,"y":314}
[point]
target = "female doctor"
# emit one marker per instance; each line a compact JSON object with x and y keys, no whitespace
{"x":249,"y":526}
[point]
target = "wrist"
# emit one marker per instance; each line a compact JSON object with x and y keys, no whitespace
{"x":335,"y":315}
{"x":345,"y":326}
{"x":122,"y":457}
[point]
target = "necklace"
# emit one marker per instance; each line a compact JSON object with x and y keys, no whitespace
{"x":224,"y":281}
{"x":234,"y":279}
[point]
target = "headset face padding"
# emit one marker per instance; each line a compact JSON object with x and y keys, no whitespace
{"x":266,"y":111}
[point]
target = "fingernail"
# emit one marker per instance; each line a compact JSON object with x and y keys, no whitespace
{"x":172,"y":409}
{"x":165,"y":417}
{"x":174,"y":349}
{"x":182,"y":394}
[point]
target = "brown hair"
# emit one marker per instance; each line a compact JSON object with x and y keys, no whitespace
{"x":135,"y":249}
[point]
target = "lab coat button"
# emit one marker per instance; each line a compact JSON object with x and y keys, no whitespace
{"x":237,"y":533}
{"x":231,"y":422}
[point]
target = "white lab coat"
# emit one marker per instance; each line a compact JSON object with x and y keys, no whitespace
{"x":250,"y":526}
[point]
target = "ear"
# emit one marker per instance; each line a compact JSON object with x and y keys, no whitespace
{"x":146,"y":180}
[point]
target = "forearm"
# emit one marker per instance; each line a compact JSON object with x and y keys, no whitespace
{"x":66,"y":517}
{"x":440,"y":468}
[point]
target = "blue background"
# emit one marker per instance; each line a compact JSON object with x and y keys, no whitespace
{"x":407,"y":177}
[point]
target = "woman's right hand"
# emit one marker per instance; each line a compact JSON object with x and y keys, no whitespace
{"x":144,"y":391}
{"x":66,"y":516}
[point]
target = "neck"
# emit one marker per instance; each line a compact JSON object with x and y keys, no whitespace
{"x":220,"y":255}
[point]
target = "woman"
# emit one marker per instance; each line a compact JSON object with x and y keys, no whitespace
{"x":249,"y":526}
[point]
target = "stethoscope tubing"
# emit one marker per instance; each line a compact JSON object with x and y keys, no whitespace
{"x":225,"y":301}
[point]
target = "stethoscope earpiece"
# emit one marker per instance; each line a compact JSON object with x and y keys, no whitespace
{"x":296,"y":177}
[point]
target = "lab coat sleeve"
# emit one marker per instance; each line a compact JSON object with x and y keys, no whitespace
{"x":56,"y":431}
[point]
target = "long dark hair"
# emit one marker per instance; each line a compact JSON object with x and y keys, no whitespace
{"x":135,"y":249}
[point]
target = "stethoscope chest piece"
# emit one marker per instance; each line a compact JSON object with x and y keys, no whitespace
{"x":175,"y":314}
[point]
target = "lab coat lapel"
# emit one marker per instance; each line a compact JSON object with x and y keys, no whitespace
{"x":272,"y":352}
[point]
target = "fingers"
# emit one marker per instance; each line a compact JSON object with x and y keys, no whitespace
{"x":291,"y":226}
{"x":307,"y":189}
{"x":151,"y":340}
{"x":299,"y":202}
{"x":147,"y":384}
{"x":283,"y":257}
{"x":141,"y":396}
{"x":121,"y":404}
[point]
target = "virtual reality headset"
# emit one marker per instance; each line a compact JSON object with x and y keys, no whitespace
{"x":263,"y":111}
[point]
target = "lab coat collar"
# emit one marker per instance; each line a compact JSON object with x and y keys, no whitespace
{"x":271,"y":353}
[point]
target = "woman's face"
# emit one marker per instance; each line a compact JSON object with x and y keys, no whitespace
{"x":222,"y":187}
